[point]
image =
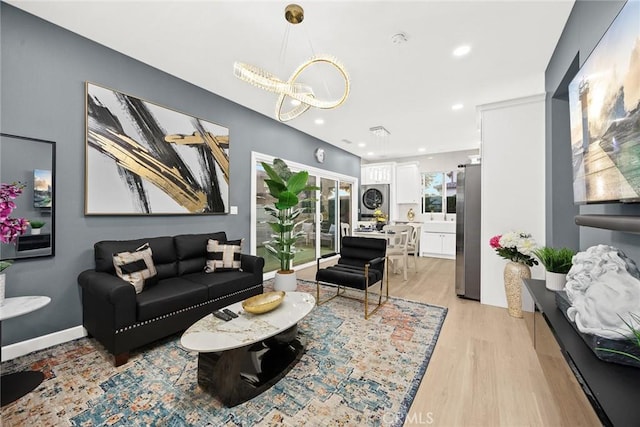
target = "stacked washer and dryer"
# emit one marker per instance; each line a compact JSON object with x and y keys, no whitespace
{"x":372,"y":197}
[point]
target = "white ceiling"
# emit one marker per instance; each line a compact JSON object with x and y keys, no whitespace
{"x":408,"y":88}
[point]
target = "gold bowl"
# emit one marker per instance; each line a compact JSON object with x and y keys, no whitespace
{"x":263,"y":303}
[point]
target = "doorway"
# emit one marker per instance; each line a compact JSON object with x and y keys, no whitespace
{"x":327,"y":214}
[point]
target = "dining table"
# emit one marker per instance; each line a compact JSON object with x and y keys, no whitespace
{"x":375,"y":234}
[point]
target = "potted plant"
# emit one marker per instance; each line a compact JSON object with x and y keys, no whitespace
{"x":10,"y":228}
{"x":380,"y":218}
{"x":557,"y":263}
{"x":36,"y":226}
{"x":284,"y":186}
{"x":517,"y":247}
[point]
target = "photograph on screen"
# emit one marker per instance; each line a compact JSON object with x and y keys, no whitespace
{"x":604,"y":100}
{"x":42,"y":188}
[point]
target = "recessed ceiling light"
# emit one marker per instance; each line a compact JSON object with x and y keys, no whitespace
{"x":295,"y":102}
{"x":455,"y":107}
{"x":319,"y":121}
{"x":370,"y":153}
{"x":462,"y":50}
{"x":362,"y":144}
{"x":429,"y":158}
{"x":422,"y":149}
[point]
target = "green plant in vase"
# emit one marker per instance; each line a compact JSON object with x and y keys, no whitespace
{"x":555,"y":260}
{"x":285,"y":186}
{"x":557,"y":263}
{"x":36,"y":225}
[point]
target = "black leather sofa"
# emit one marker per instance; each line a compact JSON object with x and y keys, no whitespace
{"x":122,"y":320}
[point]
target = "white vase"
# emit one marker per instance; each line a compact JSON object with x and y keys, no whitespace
{"x":285,"y":281}
{"x":2,"y":282}
{"x":555,"y":281}
{"x":36,"y":230}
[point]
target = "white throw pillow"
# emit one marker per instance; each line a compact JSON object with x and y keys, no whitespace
{"x":223,"y":256}
{"x":136,"y":267}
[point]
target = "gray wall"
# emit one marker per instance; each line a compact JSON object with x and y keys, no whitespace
{"x":587,"y":23}
{"x":44,"y":69}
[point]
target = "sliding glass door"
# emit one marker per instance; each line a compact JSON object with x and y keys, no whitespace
{"x":327,"y":214}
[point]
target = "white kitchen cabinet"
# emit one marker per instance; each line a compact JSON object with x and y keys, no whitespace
{"x":438,"y":244}
{"x":378,"y":173}
{"x":408,"y":183}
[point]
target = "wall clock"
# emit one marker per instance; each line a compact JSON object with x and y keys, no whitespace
{"x":319,"y":153}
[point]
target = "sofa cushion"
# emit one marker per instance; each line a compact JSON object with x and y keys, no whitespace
{"x":191,"y":250}
{"x":223,"y":283}
{"x":164,"y":254}
{"x":136,"y":267}
{"x":169,"y":295}
{"x":223,"y":256}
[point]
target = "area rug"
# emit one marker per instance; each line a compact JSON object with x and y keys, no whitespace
{"x":354,"y":372}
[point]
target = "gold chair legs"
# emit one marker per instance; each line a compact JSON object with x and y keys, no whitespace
{"x":366,"y":293}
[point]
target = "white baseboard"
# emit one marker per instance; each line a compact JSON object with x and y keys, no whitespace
{"x":25,"y":347}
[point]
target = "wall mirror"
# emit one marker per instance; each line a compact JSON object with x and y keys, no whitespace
{"x":31,"y":162}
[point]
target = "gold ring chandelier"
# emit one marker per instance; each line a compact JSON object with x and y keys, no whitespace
{"x":258,"y":77}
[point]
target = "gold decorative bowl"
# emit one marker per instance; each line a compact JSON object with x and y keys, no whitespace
{"x":263,"y":303}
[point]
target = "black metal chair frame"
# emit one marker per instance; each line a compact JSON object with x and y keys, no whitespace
{"x":366,"y":288}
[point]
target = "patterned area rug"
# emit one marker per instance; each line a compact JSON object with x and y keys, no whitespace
{"x":354,"y":372}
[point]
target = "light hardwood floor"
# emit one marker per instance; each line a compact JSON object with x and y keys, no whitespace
{"x":484,"y":370}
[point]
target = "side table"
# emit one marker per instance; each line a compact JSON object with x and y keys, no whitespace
{"x":14,"y":386}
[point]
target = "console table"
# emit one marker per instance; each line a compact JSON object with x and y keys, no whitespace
{"x":14,"y":386}
{"x":612,"y":389}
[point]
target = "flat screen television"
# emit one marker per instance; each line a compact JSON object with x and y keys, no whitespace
{"x":604,"y":102}
{"x":42,"y":186}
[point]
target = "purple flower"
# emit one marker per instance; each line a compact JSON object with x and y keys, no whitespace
{"x":10,"y":228}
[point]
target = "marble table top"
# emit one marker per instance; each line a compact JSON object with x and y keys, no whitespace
{"x":17,"y":306}
{"x":211,"y":334}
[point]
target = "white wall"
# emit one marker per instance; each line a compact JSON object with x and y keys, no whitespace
{"x":513,"y":183}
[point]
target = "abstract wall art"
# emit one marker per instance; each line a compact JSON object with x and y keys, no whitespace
{"x":146,"y":159}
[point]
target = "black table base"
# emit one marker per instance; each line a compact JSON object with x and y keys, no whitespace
{"x":14,"y":386}
{"x":237,"y":375}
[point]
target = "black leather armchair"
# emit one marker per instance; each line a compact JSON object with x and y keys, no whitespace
{"x":361,"y":265}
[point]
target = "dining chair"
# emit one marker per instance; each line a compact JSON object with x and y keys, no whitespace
{"x":413,"y":245}
{"x":345,"y":229}
{"x":397,"y":248}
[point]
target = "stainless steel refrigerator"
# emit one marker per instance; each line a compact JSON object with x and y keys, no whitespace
{"x":468,"y":232}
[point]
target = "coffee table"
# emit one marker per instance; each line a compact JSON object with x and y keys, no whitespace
{"x":241,"y":358}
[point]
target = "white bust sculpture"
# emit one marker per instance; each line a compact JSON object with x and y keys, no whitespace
{"x":603,"y":285}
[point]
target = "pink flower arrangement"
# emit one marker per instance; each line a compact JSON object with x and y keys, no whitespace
{"x":10,"y":228}
{"x":515,"y":246}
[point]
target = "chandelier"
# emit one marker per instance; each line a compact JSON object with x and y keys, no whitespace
{"x":381,"y":137}
{"x":290,"y":88}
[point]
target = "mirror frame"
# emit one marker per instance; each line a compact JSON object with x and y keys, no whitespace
{"x":53,"y":196}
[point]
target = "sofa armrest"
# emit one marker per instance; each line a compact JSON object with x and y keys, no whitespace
{"x":252,"y":264}
{"x":109,"y":294}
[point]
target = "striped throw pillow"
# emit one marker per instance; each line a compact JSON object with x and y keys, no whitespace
{"x":136,"y":267}
{"x":223,"y":256}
